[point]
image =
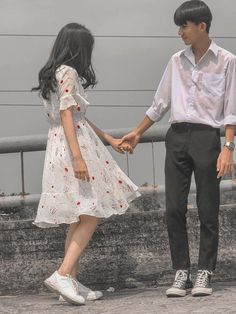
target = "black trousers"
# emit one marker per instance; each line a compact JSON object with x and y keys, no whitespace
{"x":192,"y":148}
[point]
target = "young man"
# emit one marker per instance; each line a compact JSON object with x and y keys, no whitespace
{"x":199,"y":87}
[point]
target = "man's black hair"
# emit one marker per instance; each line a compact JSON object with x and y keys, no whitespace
{"x":194,"y":11}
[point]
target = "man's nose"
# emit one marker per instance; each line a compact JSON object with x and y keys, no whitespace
{"x":180,"y":32}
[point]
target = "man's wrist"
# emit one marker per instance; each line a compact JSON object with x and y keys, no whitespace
{"x":229,"y":145}
{"x":137,"y":132}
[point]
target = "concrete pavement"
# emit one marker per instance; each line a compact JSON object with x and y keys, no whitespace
{"x":133,"y":301}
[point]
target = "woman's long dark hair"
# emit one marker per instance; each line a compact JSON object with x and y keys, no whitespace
{"x":73,"y":46}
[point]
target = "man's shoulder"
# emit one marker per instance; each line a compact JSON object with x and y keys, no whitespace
{"x":177,"y":54}
{"x":227,"y":54}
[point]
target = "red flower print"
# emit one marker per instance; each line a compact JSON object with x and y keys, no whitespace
{"x":78,"y":127}
{"x":61,"y":81}
{"x":67,"y":90}
{"x":93,"y":178}
{"x":121,"y":206}
{"x":55,"y":134}
{"x":108,"y":192}
{"x":78,"y":108}
{"x":42,"y":206}
{"x":78,"y":203}
{"x":66,"y":169}
{"x":107,"y":161}
{"x":120,"y":181}
{"x":48,"y":115}
{"x":52,"y":186}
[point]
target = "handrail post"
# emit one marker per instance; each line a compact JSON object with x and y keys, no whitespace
{"x":22,"y":173}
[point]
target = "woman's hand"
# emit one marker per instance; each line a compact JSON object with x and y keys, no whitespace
{"x":131,"y":139}
{"x":80,"y":169}
{"x":114,"y":142}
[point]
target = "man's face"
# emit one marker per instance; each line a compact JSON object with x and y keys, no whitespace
{"x":191,"y":33}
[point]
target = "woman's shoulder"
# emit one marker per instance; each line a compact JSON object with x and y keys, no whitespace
{"x":67,"y":70}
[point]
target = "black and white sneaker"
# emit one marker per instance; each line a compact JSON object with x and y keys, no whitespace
{"x":202,"y":285}
{"x":181,"y":284}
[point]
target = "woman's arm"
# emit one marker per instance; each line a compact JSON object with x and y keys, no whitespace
{"x":79,"y":165}
{"x":109,"y":139}
{"x":101,"y":134}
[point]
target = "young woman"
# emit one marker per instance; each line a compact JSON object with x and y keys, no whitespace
{"x":81,"y":180}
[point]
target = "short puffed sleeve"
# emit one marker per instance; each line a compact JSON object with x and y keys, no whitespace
{"x":68,"y":93}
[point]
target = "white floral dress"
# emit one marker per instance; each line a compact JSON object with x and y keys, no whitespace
{"x":64,"y":198}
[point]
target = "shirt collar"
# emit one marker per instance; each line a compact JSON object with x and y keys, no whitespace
{"x":189,"y":53}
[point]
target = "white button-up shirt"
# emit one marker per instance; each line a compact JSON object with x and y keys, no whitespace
{"x":198,"y":93}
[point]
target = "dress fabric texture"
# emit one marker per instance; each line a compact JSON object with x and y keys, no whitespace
{"x":64,"y":198}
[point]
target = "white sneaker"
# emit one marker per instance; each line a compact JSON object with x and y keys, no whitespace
{"x":64,"y":286}
{"x":180,"y":285}
{"x":202,"y":285}
{"x":87,"y":293}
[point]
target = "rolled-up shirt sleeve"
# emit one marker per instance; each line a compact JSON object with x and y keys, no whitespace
{"x":162,"y":99}
{"x":230,"y":94}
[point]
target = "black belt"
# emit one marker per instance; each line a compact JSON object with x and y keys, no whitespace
{"x":185,"y":126}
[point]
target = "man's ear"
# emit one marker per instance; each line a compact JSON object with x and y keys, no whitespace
{"x":203,"y":26}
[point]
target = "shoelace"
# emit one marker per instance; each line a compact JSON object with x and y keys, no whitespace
{"x":202,"y":278}
{"x":74,"y":283}
{"x":180,"y":277}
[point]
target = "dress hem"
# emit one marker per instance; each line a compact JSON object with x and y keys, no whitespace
{"x":49,"y":224}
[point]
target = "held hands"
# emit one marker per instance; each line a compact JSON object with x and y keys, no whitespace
{"x":80,"y":169}
{"x":115,"y":143}
{"x":224,"y":162}
{"x":130,"y":139}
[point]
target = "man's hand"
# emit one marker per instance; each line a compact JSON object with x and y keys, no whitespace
{"x":131,"y":138}
{"x":114,"y":142}
{"x":224,"y":162}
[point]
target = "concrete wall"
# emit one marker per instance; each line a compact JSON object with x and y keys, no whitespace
{"x":126,"y":251}
{"x":134,"y":40}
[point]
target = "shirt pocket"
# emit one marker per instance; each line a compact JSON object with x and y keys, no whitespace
{"x":213,"y":85}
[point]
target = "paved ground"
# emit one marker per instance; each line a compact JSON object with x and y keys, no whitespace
{"x":148,"y":301}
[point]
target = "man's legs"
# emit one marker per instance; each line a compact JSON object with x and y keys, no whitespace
{"x":178,"y":170}
{"x":205,"y":151}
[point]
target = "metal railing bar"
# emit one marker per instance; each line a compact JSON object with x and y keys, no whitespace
{"x":29,"y":143}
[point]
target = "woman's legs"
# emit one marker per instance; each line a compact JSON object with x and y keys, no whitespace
{"x":71,"y":230}
{"x":77,"y":239}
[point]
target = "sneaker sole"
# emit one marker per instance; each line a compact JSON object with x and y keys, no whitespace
{"x":51,"y":287}
{"x":71,"y":301}
{"x":201,"y":294}
{"x":174,"y":295}
{"x":94,"y":299}
{"x":179,"y":295}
